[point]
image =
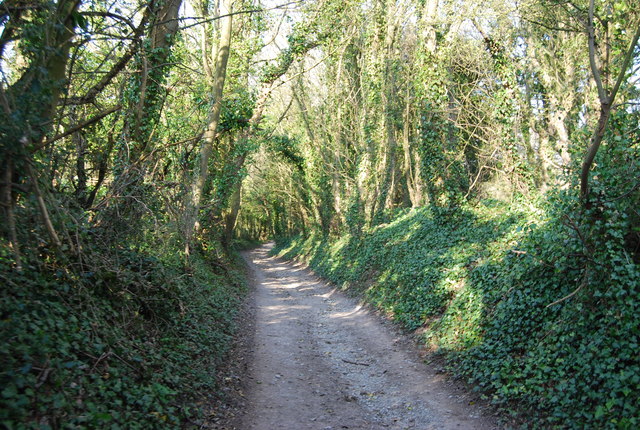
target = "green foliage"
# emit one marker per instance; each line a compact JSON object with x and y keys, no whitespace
{"x":287,"y":148}
{"x":118,"y":339}
{"x":237,"y":109}
{"x":319,"y":181}
{"x":535,"y":306}
{"x":398,"y":266}
{"x":535,"y":302}
{"x":300,"y":42}
{"x":573,"y":359}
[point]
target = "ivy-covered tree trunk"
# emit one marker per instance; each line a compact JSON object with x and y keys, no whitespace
{"x":144,"y":96}
{"x":146,"y":91}
{"x":298,"y":95}
{"x":232,"y":216}
{"x":197,"y":190}
{"x":149,"y":85}
{"x":411,"y":157}
{"x":389,"y":97}
{"x":29,"y":107}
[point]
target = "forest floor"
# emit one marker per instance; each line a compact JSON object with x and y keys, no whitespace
{"x":320,"y":360}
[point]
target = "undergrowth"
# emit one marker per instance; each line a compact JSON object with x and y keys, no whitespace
{"x":116,"y":337}
{"x":535,"y":307}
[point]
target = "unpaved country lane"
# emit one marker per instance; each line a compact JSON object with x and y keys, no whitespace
{"x":320,"y":361}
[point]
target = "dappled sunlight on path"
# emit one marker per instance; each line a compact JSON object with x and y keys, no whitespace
{"x":322,"y":361}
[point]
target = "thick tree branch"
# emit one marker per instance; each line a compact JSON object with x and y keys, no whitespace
{"x":77,"y":127}
{"x":93,"y":92}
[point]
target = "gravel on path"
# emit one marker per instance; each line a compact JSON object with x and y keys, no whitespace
{"x":322,"y":361}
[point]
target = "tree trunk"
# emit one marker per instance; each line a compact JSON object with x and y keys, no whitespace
{"x":222,"y":58}
{"x":154,"y":70}
{"x":385,"y":196}
{"x":8,"y":204}
{"x":596,"y":140}
{"x":232,"y":216}
{"x":606,"y":98}
{"x":428,"y":27}
{"x":81,"y":172}
{"x":34,"y":98}
{"x":39,"y":88}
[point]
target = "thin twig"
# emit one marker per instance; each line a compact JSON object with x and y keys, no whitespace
{"x":573,"y":293}
{"x":356,"y":362}
{"x":240,"y":12}
{"x":43,"y":376}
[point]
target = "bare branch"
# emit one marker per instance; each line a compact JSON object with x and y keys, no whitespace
{"x":111,"y":15}
{"x":43,"y":208}
{"x":240,"y":12}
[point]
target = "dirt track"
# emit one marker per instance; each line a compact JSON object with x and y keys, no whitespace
{"x":321,"y":361}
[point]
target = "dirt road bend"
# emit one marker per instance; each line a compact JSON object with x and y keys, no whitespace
{"x":321,"y":361}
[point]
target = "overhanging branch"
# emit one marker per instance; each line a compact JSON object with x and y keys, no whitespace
{"x":77,"y":127}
